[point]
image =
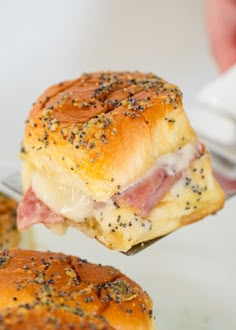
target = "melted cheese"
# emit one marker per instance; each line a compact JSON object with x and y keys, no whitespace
{"x":68,"y":201}
{"x":173,"y":163}
{"x":178,"y":161}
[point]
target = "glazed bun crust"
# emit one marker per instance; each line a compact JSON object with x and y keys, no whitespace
{"x":102,"y":123}
{"x":44,"y":290}
{"x":9,"y":235}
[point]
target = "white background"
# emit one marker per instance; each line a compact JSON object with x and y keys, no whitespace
{"x":191,"y":274}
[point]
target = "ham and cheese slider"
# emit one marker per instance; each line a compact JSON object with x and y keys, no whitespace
{"x":113,"y":154}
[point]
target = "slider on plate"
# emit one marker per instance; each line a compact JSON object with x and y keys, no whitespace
{"x":48,"y":291}
{"x":113,"y":154}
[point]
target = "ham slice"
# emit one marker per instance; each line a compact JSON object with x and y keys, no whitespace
{"x":144,"y":195}
{"x":31,"y":211}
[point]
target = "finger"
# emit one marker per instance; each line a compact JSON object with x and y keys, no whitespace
{"x":224,"y":52}
{"x":221,"y":24}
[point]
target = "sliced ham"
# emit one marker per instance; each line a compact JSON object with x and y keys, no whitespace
{"x":31,"y":211}
{"x":145,"y":195}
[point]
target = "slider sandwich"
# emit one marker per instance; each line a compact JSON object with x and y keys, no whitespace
{"x":113,"y":154}
{"x":49,"y":291}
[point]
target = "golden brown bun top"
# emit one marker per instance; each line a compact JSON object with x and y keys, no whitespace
{"x":55,"y":291}
{"x":98,"y":125}
{"x":80,"y":100}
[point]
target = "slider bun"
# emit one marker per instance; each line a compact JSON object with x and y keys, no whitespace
{"x":9,"y":235}
{"x":44,"y":290}
{"x":106,"y":128}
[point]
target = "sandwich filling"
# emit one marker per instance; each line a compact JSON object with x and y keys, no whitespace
{"x":49,"y":202}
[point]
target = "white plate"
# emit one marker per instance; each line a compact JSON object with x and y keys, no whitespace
{"x":190,"y":274}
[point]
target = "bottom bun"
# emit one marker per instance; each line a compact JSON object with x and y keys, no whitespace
{"x":44,"y":290}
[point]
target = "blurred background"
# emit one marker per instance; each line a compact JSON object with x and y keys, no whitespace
{"x":190,"y":274}
{"x":44,"y":42}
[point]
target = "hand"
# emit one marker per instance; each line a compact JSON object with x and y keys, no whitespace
{"x":221,"y":25}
